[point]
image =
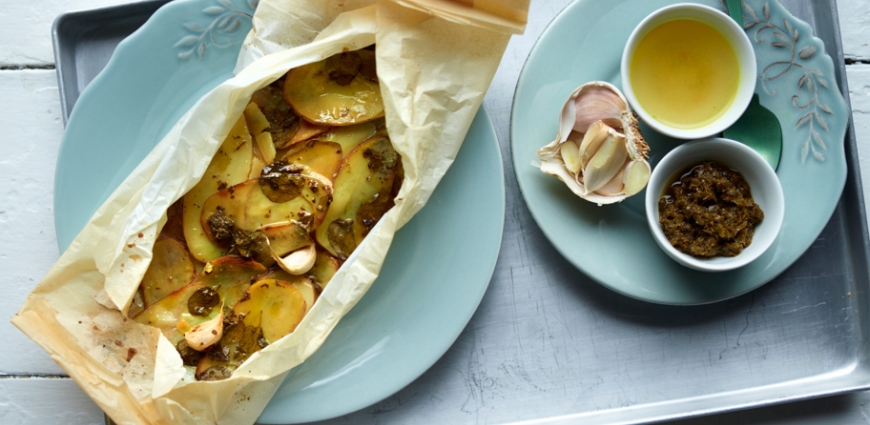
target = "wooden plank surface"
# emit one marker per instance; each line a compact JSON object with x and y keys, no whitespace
{"x":32,"y":130}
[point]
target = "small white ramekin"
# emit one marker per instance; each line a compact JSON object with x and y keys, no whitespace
{"x":735,"y":36}
{"x":762,"y":180}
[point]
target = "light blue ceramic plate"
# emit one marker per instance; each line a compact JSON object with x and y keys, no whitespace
{"x":434,"y":276}
{"x":612,"y":244}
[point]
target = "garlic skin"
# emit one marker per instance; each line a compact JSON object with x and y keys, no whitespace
{"x":599,"y":152}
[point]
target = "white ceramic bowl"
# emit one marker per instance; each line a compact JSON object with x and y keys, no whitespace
{"x":735,"y":36}
{"x":762,"y":180}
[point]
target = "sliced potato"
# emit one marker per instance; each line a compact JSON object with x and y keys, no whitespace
{"x":275,"y":306}
{"x":266,"y":147}
{"x":257,"y":121}
{"x":231,"y":202}
{"x":336,"y":91}
{"x":283,"y":122}
{"x":362,"y":195}
{"x":270,"y":310}
{"x":227,"y":271}
{"x":171,"y":315}
{"x":306,"y":131}
{"x":174,"y":228}
{"x":260,"y":211}
{"x":303,"y":285}
{"x":170,"y":269}
{"x":286,"y":237}
{"x":321,"y":157}
{"x":324,"y":268}
{"x":230,"y":165}
{"x":257,"y":165}
{"x":351,"y":136}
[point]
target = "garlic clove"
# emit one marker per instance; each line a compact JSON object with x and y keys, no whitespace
{"x":598,"y":103}
{"x":571,"y":155}
{"x":609,"y":159}
{"x":592,"y":141}
{"x":614,"y":186}
{"x":635,"y":177}
{"x":206,"y":334}
{"x":300,"y":261}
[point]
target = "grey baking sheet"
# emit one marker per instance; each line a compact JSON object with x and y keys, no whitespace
{"x":549,"y":344}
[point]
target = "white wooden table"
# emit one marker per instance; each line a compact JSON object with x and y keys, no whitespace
{"x":34,"y":390}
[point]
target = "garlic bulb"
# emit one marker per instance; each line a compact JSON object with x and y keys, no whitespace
{"x":599,"y":152}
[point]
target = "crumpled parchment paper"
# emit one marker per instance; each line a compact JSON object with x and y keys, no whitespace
{"x":435,"y":61}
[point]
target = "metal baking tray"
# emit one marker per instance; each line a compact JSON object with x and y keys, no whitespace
{"x":550,"y":345}
{"x":85,"y":40}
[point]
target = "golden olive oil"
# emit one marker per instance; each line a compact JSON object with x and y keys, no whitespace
{"x":684,"y":73}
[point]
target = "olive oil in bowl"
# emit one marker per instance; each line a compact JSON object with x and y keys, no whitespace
{"x":688,"y":70}
{"x":685,"y":73}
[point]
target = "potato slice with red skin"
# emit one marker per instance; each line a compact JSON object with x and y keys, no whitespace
{"x":269,"y":310}
{"x":351,"y":136}
{"x":362,"y":191}
{"x":323,"y":158}
{"x":170,"y":269}
{"x":230,"y":165}
{"x":322,"y":99}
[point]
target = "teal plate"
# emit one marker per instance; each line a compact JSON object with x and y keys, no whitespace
{"x":434,"y":275}
{"x":612,"y":244}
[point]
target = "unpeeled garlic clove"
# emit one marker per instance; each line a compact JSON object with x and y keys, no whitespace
{"x":598,"y":103}
{"x":592,"y":141}
{"x":635,"y":177}
{"x":608,"y":160}
{"x":206,"y":334}
{"x":571,"y":154}
{"x":300,"y":261}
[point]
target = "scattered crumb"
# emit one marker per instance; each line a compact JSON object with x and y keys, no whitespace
{"x":141,"y":235}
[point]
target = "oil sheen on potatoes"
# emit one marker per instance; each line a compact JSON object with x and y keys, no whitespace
{"x":684,"y":73}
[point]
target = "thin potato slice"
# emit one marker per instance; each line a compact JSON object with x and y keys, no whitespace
{"x":270,"y":310}
{"x":227,"y":271}
{"x":170,"y":269}
{"x":335,"y":91}
{"x":324,"y":268}
{"x":230,"y":203}
{"x":303,"y":285}
{"x":275,"y":306}
{"x":306,"y":131}
{"x":283,"y":122}
{"x":321,"y":157}
{"x":230,"y":165}
{"x":351,"y":136}
{"x":286,"y":237}
{"x":362,"y":195}
{"x":171,"y":315}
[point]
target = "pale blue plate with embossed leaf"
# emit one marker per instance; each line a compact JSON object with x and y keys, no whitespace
{"x":434,"y":276}
{"x":612,"y":244}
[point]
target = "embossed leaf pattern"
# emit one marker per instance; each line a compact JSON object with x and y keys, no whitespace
{"x":806,"y":96}
{"x":218,"y":33}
